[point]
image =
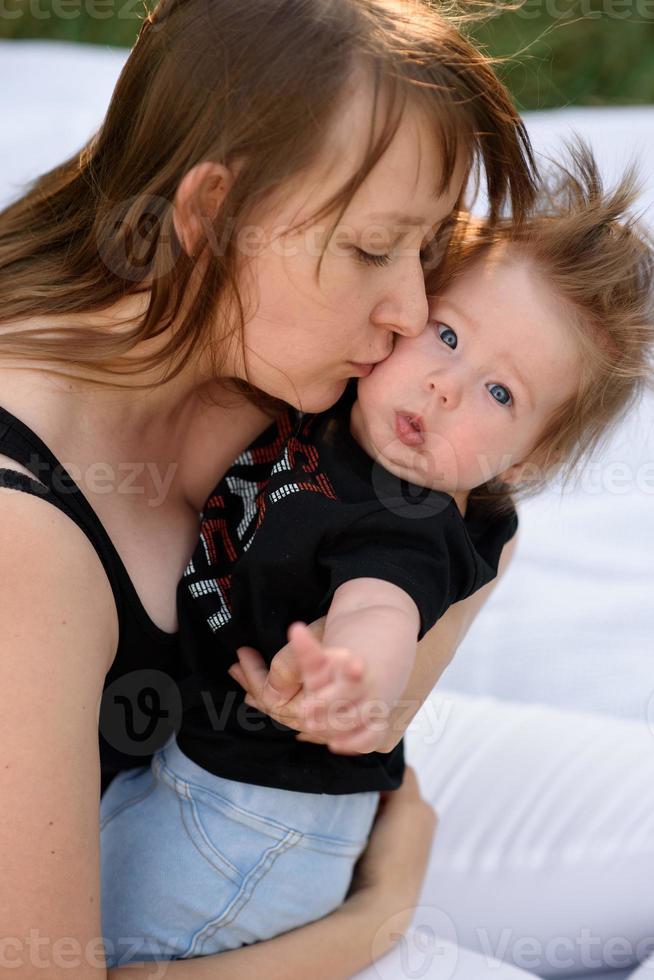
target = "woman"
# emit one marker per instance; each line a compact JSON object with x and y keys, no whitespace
{"x":311,"y":152}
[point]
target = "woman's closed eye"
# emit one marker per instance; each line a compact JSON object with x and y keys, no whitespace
{"x":429,"y":257}
{"x":499,"y":393}
{"x":372,"y":258}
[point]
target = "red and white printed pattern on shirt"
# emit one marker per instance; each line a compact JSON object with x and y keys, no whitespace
{"x":223,"y":539}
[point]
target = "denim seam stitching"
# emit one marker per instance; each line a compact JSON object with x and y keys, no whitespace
{"x":127,"y":803}
{"x":175,"y":781}
{"x":251,"y":880}
{"x":214,"y":857}
{"x":330,"y":844}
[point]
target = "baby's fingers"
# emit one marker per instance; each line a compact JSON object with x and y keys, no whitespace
{"x":358,"y":742}
{"x":314,"y":664}
{"x":338,"y":698}
{"x":349,"y":684}
{"x":338,"y":716}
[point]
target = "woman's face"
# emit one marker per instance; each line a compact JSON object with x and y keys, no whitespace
{"x":307,"y":333}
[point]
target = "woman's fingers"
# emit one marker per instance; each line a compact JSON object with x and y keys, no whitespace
{"x":237,"y":673}
{"x":254,"y":668}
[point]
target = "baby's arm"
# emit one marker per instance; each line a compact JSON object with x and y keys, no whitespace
{"x":360,"y":668}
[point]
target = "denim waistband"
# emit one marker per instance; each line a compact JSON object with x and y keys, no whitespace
{"x":334,"y":819}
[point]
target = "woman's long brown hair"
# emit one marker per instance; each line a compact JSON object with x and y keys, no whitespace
{"x":219,"y":80}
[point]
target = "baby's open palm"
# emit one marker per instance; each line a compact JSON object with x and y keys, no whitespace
{"x":337,"y":689}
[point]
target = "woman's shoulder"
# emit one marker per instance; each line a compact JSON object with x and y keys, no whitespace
{"x":48,"y":565}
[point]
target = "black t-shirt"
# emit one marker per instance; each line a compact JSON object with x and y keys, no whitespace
{"x":303,"y":510}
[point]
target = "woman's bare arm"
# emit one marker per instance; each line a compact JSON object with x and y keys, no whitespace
{"x":332,"y":948}
{"x":58,"y":629}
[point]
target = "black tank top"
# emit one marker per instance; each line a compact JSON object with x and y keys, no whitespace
{"x":141,"y":701}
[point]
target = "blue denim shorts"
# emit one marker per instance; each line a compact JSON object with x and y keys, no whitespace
{"x":194,"y":864}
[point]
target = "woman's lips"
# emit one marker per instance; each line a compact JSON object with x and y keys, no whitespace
{"x":362,"y":370}
{"x":409,"y":429}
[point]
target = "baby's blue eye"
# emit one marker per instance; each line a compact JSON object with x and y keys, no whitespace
{"x":501,"y":394}
{"x":447,"y":335}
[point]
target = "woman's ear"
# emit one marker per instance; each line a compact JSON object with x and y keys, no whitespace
{"x":198,"y":199}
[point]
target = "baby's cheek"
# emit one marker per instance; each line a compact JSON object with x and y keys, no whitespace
{"x":472,"y":465}
{"x":438,"y":464}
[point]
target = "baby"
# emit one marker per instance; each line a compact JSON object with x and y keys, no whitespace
{"x":378,"y":513}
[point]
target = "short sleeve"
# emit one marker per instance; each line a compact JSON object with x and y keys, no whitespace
{"x":489,"y":534}
{"x":429,"y":558}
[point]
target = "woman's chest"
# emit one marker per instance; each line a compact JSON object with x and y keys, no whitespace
{"x":145,"y":490}
{"x":155,"y":545}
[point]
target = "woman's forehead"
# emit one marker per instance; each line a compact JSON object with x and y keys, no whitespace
{"x":403,"y":186}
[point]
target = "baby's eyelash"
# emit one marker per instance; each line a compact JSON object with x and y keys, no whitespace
{"x":368,"y":258}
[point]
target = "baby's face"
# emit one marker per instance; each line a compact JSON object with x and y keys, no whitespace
{"x":467,"y":399}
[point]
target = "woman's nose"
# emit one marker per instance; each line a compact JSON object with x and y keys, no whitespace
{"x":405,"y":310}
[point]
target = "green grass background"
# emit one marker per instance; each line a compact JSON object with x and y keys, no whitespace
{"x":558,"y":52}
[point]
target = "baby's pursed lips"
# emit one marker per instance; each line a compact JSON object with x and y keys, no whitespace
{"x":414,"y":420}
{"x":410,"y":428}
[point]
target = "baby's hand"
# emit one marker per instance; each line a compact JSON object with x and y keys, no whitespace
{"x":337,"y":686}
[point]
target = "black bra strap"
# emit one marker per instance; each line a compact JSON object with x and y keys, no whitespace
{"x":20,"y":481}
{"x":24,"y":446}
{"x":20,"y":443}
